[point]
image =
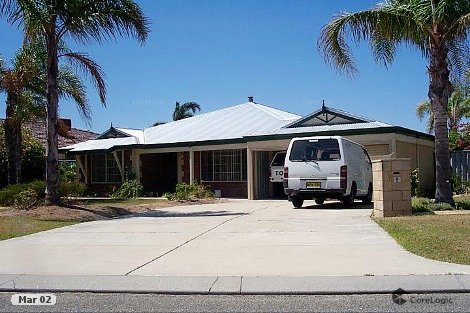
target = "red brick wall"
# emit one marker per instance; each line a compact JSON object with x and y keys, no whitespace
{"x":230,"y":189}
{"x":197,"y":166}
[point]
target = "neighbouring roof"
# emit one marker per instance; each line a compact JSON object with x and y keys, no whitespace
{"x":248,"y":121}
{"x":73,"y":135}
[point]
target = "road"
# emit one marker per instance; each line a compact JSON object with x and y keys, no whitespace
{"x":90,"y":302}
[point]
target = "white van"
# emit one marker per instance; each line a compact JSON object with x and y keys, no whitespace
{"x":327,"y":168}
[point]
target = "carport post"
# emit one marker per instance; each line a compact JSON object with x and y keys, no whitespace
{"x":250,"y":176}
{"x":191,"y":166}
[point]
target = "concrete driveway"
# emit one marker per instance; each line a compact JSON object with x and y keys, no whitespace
{"x":237,"y":238}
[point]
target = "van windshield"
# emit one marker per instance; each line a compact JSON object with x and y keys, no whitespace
{"x":315,"y":150}
{"x":279,"y":159}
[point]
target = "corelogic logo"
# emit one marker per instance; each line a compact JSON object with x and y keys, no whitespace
{"x":397,"y":296}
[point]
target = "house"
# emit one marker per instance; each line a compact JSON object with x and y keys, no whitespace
{"x":230,"y":149}
{"x":67,"y":134}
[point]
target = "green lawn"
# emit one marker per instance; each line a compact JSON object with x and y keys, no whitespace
{"x":438,"y":237}
{"x":11,"y":227}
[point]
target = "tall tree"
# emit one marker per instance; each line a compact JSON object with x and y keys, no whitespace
{"x":458,"y":108}
{"x":185,"y":110}
{"x":24,"y":84}
{"x":81,"y":20}
{"x":437,"y":28}
{"x":14,"y":82}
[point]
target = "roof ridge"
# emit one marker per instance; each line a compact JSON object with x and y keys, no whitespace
{"x":272,"y":111}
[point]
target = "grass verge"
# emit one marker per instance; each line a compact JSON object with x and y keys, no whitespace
{"x":16,"y":226}
{"x":437,"y":237}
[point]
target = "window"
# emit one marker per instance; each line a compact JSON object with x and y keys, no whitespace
{"x":279,"y":159}
{"x":104,"y":169}
{"x":224,"y":165}
{"x":315,"y":150}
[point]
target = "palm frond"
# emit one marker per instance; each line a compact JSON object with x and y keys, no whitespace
{"x":102,"y":20}
{"x":424,"y":110}
{"x":71,"y":87}
{"x":191,"y":106}
{"x":90,"y":69}
{"x":384,"y":26}
{"x":457,"y":58}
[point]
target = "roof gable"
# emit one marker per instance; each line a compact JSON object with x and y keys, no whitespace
{"x":328,"y":116}
{"x":114,"y":133}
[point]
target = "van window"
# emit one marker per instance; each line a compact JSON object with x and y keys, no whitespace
{"x":315,"y":150}
{"x":279,"y":159}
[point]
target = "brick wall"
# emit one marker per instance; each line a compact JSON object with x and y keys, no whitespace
{"x":392,"y":187}
{"x":230,"y":189}
{"x":197,"y":166}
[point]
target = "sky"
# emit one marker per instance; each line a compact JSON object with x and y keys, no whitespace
{"x":219,"y":52}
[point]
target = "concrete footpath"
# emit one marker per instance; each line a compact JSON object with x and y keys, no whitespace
{"x":237,"y":285}
{"x":238,"y":247}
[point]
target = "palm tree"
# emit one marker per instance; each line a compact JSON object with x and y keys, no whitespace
{"x":15,"y":81}
{"x":82,"y":20}
{"x":436,"y":28}
{"x":185,"y":110}
{"x":458,"y":108}
{"x":24,"y":84}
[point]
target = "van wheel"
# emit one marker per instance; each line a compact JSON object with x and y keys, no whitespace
{"x":297,"y":201}
{"x":368,"y":198}
{"x":349,"y":199}
{"x":319,"y":201}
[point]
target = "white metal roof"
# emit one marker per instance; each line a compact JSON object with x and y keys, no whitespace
{"x":228,"y":123}
{"x":235,"y":122}
{"x":101,"y":144}
{"x":324,"y":128}
{"x":137,"y":133}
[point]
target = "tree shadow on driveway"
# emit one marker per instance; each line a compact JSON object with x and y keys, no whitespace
{"x":337,"y":206}
{"x":161,"y":213}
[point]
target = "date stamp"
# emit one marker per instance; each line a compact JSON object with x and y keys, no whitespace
{"x":33,"y":299}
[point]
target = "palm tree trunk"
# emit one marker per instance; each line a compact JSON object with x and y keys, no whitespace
{"x":52,"y":153}
{"x":440,"y":89}
{"x":13,"y":140}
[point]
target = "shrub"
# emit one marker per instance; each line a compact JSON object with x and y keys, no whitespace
{"x":462,"y":203}
{"x":33,"y":165}
{"x":129,"y":189}
{"x":420,"y":205}
{"x":67,"y":171}
{"x":26,"y":200}
{"x":72,"y":189}
{"x":415,"y":189}
{"x":39,"y":186}
{"x":9,"y":194}
{"x":458,"y":185}
{"x":187,"y":192}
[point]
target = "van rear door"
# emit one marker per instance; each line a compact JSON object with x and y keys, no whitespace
{"x":314,"y":162}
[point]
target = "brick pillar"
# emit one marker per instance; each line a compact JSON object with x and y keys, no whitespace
{"x":392,"y":187}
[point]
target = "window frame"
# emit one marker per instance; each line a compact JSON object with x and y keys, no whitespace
{"x":235,"y":168}
{"x":107,"y":157}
